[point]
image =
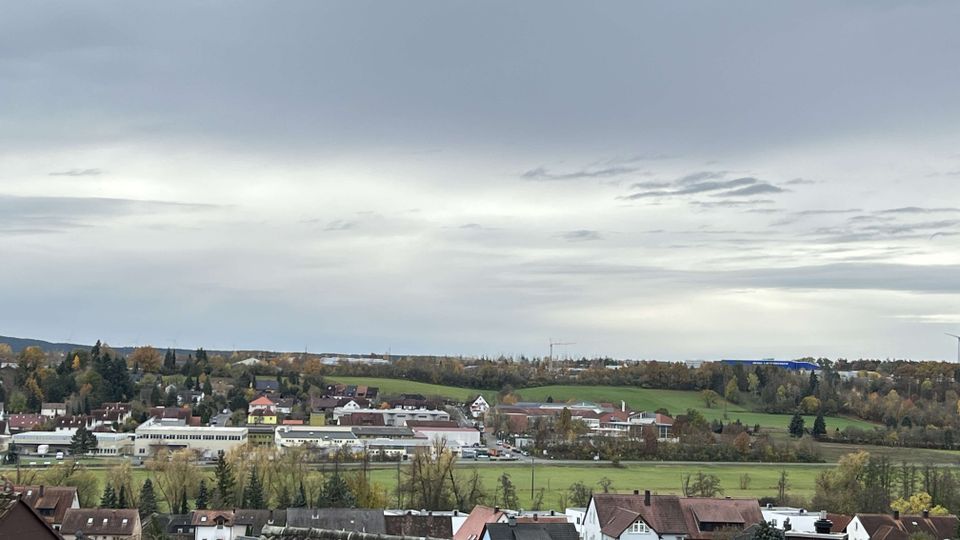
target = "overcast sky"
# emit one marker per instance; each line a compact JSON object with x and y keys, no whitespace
{"x":663,"y":180}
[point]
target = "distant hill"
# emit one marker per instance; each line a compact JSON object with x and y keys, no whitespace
{"x":19,"y":344}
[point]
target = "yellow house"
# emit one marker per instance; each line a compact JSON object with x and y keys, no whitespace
{"x":262,"y":417}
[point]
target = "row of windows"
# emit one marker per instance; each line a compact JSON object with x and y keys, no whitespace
{"x":191,"y":437}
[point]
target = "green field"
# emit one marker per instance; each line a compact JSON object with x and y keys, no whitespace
{"x":658,"y":478}
{"x":401,"y":386}
{"x":556,"y":479}
{"x":641,"y":399}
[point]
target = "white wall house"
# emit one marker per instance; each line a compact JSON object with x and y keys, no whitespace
{"x":479,"y":407}
{"x":453,"y":436}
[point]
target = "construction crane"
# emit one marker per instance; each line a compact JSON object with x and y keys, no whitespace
{"x":558,"y":343}
{"x":958,"y":344}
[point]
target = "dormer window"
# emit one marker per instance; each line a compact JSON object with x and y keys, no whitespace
{"x":89,"y":521}
{"x":639,"y":527}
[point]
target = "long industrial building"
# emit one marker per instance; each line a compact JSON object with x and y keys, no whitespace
{"x":154,"y":435}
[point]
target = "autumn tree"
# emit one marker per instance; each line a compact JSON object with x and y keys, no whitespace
{"x":147,"y":358}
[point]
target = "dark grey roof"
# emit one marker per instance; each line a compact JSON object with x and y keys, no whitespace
{"x":347,"y":519}
{"x":382,"y":431}
{"x":256,"y":519}
{"x":319,"y":434}
{"x":532,"y":531}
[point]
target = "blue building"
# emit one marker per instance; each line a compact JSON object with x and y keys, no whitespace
{"x":793,"y":365}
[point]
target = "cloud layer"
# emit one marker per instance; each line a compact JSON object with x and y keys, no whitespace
{"x":469,"y":179}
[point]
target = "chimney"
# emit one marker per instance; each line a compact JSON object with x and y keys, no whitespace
{"x":636,"y":492}
{"x":512,"y":521}
{"x":41,"y":490}
{"x":823,"y":525}
{"x":553,"y":512}
{"x":535,"y":517}
{"x":496,"y":508}
{"x":896,"y":515}
{"x":623,"y":406}
{"x":646,"y":497}
{"x":926,"y":513}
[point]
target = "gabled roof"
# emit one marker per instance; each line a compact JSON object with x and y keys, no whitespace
{"x":669,"y":514}
{"x":208,"y":518}
{"x":101,"y":521}
{"x":17,"y":516}
{"x":55,"y":499}
{"x":472,"y":527}
{"x":662,"y":515}
{"x":262,"y":400}
{"x":885,"y":526}
{"x":256,"y":519}
{"x":420,"y":525}
{"x":532,"y":531}
{"x":346,"y":519}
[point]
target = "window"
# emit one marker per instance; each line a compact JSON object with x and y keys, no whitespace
{"x":639,"y":527}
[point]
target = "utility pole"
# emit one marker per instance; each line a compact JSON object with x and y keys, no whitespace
{"x":399,"y":459}
{"x":533,"y":467}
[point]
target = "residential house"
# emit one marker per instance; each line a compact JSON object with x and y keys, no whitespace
{"x":19,"y":520}
{"x":472,"y":528}
{"x":50,"y":502}
{"x":337,"y":519}
{"x":800,"y":520}
{"x":896,"y":527}
{"x":25,"y":422}
{"x":611,"y":516}
{"x":175,"y":416}
{"x":285,"y":405}
{"x":52,"y":410}
{"x":420,"y":524}
{"x":178,"y":526}
{"x":260,"y":404}
{"x":253,"y":521}
{"x":515,"y":530}
{"x":267,"y":386}
{"x":101,"y":524}
{"x":478,"y":407}
{"x":262,"y":416}
{"x":216,"y":525}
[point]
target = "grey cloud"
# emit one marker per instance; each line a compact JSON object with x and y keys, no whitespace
{"x":339,"y":225}
{"x":757,"y":189}
{"x":77,"y":172}
{"x":54,"y":214}
{"x":541,"y":173}
{"x":581,"y":235}
{"x":700,"y":176}
{"x":800,"y":182}
{"x":919,"y":210}
{"x":687,"y":187}
{"x":737,"y":204}
{"x":471,"y":226}
{"x":650,"y":185}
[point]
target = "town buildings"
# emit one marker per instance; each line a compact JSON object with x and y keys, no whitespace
{"x":156,"y":434}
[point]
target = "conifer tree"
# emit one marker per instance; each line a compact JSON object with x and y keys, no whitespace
{"x":202,"y":496}
{"x":148,"y":499}
{"x":819,"y":426}
{"x":253,"y":494}
{"x":796,"y":425}
{"x":184,"y":508}
{"x":109,"y":498}
{"x":225,"y":481}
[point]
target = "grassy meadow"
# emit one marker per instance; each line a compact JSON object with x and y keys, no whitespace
{"x":643,"y":399}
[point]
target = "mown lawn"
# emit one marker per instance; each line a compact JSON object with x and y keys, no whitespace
{"x":658,"y":478}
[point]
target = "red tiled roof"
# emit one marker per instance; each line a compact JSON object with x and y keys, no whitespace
{"x":262,"y":400}
{"x":473,"y":526}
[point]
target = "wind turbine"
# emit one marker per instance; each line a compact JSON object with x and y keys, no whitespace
{"x":958,"y":344}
